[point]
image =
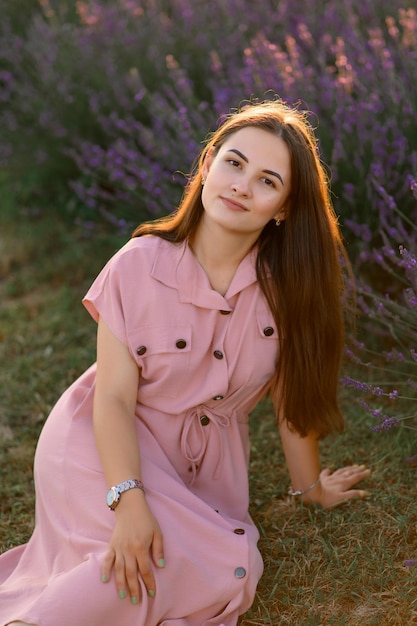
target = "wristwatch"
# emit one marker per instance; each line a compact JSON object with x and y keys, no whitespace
{"x":114,"y":493}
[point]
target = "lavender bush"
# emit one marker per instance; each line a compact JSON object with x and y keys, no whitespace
{"x":385,"y":361}
{"x":113,"y":98}
{"x":103,"y":105}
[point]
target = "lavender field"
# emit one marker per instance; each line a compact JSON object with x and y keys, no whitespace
{"x":103,"y":108}
{"x":104,"y":105}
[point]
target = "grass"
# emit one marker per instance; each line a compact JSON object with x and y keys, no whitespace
{"x":340,"y":567}
{"x":344,"y":566}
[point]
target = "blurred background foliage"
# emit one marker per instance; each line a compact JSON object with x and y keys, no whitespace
{"x":103,"y":108}
{"x":104,"y":105}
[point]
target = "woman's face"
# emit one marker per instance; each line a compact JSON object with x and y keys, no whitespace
{"x":247,"y":182}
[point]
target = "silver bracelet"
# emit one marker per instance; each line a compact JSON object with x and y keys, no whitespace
{"x":301,"y":492}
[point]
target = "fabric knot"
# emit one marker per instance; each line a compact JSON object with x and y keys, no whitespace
{"x":195,"y":436}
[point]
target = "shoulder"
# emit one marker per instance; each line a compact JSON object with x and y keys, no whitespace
{"x":129,"y":273}
{"x":147,"y":245}
{"x":143,"y":250}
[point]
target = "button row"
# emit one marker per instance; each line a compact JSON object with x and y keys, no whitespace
{"x":181,"y":343}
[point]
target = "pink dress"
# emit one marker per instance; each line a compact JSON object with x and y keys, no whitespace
{"x":205,"y":361}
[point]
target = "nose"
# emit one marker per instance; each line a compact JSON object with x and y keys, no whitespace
{"x":241,"y":187}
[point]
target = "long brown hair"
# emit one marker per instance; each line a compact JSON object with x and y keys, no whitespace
{"x":300,"y":267}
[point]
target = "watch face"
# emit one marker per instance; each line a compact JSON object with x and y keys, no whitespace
{"x":111,"y":498}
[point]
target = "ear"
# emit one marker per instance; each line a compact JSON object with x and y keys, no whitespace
{"x":283,"y":210}
{"x":207,"y":162}
{"x":281,"y":214}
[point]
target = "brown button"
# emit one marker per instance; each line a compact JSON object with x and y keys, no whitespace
{"x":181,"y":343}
{"x":239,"y":531}
{"x":204,"y":420}
{"x":268,"y":331}
{"x":218,"y":354}
{"x":225,"y":312}
{"x":219,"y":397}
{"x":141,"y":350}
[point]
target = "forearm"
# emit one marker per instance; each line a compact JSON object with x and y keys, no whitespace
{"x":303,"y":461}
{"x":116,"y":440}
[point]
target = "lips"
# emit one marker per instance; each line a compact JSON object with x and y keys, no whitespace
{"x":232,"y":204}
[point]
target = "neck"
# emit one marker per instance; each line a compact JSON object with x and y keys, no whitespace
{"x":217,"y":247}
{"x":219,"y":253}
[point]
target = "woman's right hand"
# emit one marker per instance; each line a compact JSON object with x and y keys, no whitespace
{"x":136,"y":540}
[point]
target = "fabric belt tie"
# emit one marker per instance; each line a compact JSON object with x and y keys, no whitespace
{"x":193,"y":428}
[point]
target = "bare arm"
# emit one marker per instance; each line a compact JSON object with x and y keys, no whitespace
{"x":114,"y":408}
{"x":302,"y":457}
{"x":114,"y":427}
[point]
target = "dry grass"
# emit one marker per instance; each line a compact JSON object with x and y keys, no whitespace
{"x":341,"y":567}
{"x":345,"y":566}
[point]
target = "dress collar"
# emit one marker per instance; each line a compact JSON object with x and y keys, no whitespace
{"x":176,"y":266}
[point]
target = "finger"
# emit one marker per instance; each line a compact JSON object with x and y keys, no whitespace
{"x":132,"y":580}
{"x":324,"y":473}
{"x":145,"y":569}
{"x":344,"y":472}
{"x":359,"y":469}
{"x":346,"y":475}
{"x":362,"y":494}
{"x":359,"y":475}
{"x":348,"y":469}
{"x":120,"y":575}
{"x":346,"y":496}
{"x":354,"y":476}
{"x":354,"y":494}
{"x":107,"y":567}
{"x":158,"y":550}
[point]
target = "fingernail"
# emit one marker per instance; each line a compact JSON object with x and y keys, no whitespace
{"x":151,"y":593}
{"x":134,"y":600}
{"x":104,"y":578}
{"x":161,"y":562}
{"x":122,"y":594}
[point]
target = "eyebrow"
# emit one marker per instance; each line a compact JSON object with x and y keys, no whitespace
{"x":271,"y":172}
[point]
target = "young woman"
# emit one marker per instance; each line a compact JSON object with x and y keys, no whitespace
{"x":200,"y":314}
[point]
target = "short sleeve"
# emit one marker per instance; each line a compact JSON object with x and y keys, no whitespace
{"x":109,"y":295}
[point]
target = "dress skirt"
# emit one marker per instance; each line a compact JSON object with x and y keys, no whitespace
{"x":205,"y":360}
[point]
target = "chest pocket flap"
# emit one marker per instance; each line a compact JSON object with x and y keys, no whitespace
{"x":163,"y":354}
{"x":153,"y":340}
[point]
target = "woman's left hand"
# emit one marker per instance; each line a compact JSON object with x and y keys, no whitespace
{"x":337,"y":487}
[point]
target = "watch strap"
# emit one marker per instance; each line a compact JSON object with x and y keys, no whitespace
{"x":132,"y":483}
